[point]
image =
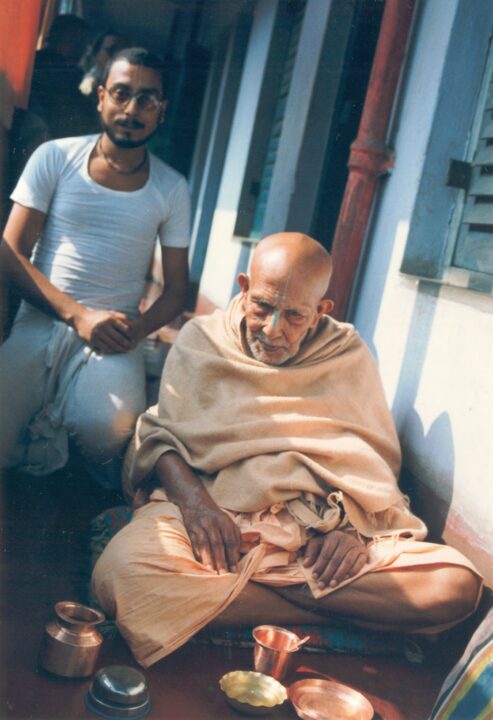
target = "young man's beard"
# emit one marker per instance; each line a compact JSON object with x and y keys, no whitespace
{"x":122,"y":143}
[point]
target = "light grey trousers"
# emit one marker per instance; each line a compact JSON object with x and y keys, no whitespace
{"x":54,"y":387}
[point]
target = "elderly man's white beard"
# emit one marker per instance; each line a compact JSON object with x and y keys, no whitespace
{"x":261,"y":355}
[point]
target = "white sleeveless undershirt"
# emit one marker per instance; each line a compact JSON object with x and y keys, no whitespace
{"x":97,"y":243}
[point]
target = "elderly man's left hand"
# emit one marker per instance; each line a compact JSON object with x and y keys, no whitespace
{"x":335,"y":557}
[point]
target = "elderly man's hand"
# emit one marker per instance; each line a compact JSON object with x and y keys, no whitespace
{"x":214,"y":536}
{"x":335,"y":557}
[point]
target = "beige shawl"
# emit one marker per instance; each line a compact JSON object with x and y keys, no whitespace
{"x":259,"y":435}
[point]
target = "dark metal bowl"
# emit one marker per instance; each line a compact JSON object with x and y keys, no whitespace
{"x":119,"y":691}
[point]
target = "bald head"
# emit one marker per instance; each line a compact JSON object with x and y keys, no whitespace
{"x":283,"y":296}
{"x":294,"y":256}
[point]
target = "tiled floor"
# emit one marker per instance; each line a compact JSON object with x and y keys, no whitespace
{"x":43,"y":541}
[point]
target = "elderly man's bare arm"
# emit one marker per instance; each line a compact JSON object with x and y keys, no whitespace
{"x":105,"y":330}
{"x":214,"y":536}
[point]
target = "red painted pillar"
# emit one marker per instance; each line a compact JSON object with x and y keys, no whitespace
{"x":19,"y":24}
{"x":369,"y":156}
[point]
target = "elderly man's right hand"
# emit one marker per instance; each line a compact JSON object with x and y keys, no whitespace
{"x":107,"y":331}
{"x":214,"y":537}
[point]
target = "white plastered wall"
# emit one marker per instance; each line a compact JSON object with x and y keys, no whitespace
{"x":434,"y":344}
{"x":223,"y":252}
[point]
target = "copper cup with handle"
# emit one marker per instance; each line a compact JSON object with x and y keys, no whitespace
{"x":274,"y":649}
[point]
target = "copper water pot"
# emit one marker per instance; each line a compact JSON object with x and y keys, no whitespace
{"x":71,"y":642}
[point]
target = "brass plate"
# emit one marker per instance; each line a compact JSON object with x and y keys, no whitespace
{"x":327,"y":700}
{"x":252,"y":693}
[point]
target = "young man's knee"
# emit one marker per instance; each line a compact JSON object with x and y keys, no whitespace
{"x":104,"y":435}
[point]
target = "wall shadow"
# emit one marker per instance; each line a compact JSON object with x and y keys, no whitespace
{"x":419,"y":448}
{"x":429,"y":502}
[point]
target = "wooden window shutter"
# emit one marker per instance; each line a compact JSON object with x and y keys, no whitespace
{"x":474,"y":247}
{"x":276,"y":128}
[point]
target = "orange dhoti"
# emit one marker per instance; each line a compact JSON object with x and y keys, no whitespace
{"x":160,"y":595}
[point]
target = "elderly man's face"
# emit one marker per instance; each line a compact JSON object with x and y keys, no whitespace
{"x":279,"y":313}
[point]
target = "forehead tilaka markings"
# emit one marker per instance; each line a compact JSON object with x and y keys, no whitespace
{"x":275,"y":317}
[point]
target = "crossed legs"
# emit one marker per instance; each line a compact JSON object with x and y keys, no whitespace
{"x":427,"y":598}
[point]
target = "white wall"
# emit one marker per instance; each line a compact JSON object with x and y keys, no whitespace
{"x":434,"y":344}
{"x":223,"y":252}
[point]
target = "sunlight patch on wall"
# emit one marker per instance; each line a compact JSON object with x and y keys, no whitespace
{"x":222,"y":259}
{"x":396,"y":310}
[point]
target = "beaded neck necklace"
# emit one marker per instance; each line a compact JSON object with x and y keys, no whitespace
{"x":114,"y":166}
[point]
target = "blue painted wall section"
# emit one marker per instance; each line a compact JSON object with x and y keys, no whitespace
{"x":426,"y":248}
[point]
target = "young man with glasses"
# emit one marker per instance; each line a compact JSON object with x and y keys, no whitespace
{"x":77,"y":245}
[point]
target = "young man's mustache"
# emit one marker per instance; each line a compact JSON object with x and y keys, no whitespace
{"x":133,"y":124}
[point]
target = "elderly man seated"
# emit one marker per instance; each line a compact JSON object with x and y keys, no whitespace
{"x":270,"y":470}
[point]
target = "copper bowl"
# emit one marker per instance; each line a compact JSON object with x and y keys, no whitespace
{"x":252,"y":693}
{"x":315,"y":699}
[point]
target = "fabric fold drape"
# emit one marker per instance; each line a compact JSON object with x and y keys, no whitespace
{"x":259,"y":434}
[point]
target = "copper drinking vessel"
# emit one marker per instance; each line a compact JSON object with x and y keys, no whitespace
{"x":71,"y":642}
{"x":274,"y":649}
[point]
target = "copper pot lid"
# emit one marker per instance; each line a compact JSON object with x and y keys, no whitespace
{"x":316,"y":699}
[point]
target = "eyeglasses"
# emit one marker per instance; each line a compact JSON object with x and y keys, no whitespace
{"x":122,"y":95}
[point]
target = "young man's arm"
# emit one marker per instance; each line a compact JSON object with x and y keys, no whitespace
{"x":173,"y":234}
{"x":171,"y":302}
{"x":104,"y":330}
